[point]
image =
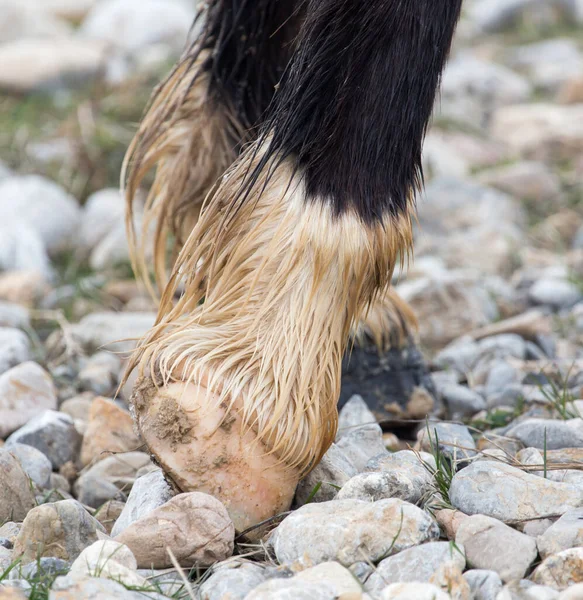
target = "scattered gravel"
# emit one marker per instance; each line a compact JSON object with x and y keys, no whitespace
{"x":481,"y":501}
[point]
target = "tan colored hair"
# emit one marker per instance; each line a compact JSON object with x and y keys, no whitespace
{"x":283,"y":280}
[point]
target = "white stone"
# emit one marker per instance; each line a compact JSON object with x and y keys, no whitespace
{"x":566,"y":533}
{"x":43,"y":205}
{"x":25,"y":391}
{"x":22,"y":249}
{"x":40,"y":64}
{"x":541,"y":131}
{"x":417,"y":564}
{"x":53,"y":433}
{"x":325,"y":581}
{"x":558,"y":293}
{"x":148,"y":493}
{"x":350,"y":530}
{"x":136,"y":24}
{"x":331,"y":473}
{"x":115,"y":332}
{"x":484,"y":585}
{"x":34,"y":463}
{"x":14,"y":348}
{"x":413,"y":591}
{"x":14,"y":315}
{"x":19,"y":19}
{"x":490,"y":544}
{"x":509,"y":494}
{"x":103,"y":211}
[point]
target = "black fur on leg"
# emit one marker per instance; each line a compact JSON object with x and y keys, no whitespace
{"x":251,"y":42}
{"x":353,"y":106}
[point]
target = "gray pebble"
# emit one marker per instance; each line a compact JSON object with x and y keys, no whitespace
{"x":333,"y":471}
{"x":455,"y":441}
{"x":54,"y":434}
{"x":492,"y":545}
{"x":509,"y":494}
{"x":416,"y":564}
{"x":484,"y":585}
{"x":14,"y":348}
{"x":559,"y":434}
{"x":558,"y":293}
{"x":34,"y":463}
{"x":148,"y":493}
{"x":461,"y":401}
{"x":566,"y":533}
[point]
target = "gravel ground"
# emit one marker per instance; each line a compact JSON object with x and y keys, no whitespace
{"x":483,"y":502}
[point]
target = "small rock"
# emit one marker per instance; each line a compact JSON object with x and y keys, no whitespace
{"x":455,"y":441}
{"x":117,"y":332}
{"x":527,"y":590}
{"x":492,"y":545}
{"x":528,"y":179}
{"x":34,"y":65}
{"x":195,"y":526}
{"x":53,"y":433}
{"x":110,"y":429}
{"x":377,"y":486}
{"x":102,"y":211}
{"x":61,"y":530}
{"x":37,"y":201}
{"x":110,"y":560}
{"x":132,"y":25}
{"x":360,"y":444}
{"x":561,"y":570}
{"x":549,"y":63}
{"x":413,"y":591}
{"x":559,"y":434}
{"x":42,"y":568}
{"x":461,"y":401}
{"x":78,"y":408}
{"x":14,"y":315}
{"x":575,"y":592}
{"x":16,"y":495}
{"x":417,"y":564}
{"x":333,"y":471}
{"x":101,"y":374}
{"x":109,"y":513}
{"x":558,"y":293}
{"x":449,"y":521}
{"x":501,"y":375}
{"x":23,"y":286}
{"x":472,"y":88}
{"x":540,"y":131}
{"x":25,"y":391}
{"x":9,"y":531}
{"x":323,"y":582}
{"x":508,"y":494}
{"x":451,"y":298}
{"x":536,"y":527}
{"x":34,"y":463}
{"x":449,"y":578}
{"x":355,"y":413}
{"x":348,"y":530}
{"x":566,"y":533}
{"x":109,"y":478}
{"x":234,"y":580}
{"x":14,"y":348}
{"x":405,"y":471}
{"x":484,"y":585}
{"x":69,"y":588}
{"x":149,"y":492}
{"x":95,"y":491}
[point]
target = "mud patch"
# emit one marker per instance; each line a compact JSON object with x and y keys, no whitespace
{"x":171,"y":423}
